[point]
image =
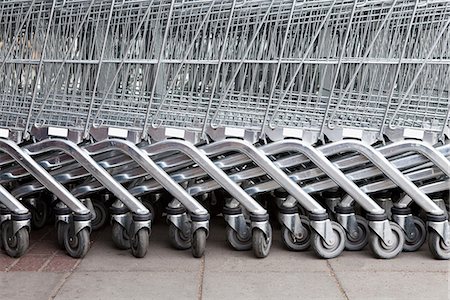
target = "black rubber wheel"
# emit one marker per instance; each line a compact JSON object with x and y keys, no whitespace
{"x":139,"y":243}
{"x":77,"y":245}
{"x":324,"y":250}
{"x":199,"y":243}
{"x":120,"y":236}
{"x":177,"y":239}
{"x":60,"y":228}
{"x":414,"y":244}
{"x":16,"y":244}
{"x":381,"y":250}
{"x":261,"y":243}
{"x":39,"y":214}
{"x":358,"y":242}
{"x":236,"y":241}
{"x":101,"y":215}
{"x":293,"y":243}
{"x":437,"y":246}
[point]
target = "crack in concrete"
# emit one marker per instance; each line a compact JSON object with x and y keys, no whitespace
{"x":66,"y":277}
{"x":336,"y":279}
{"x":202,"y":276}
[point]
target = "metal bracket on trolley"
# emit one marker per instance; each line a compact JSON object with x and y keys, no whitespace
{"x":294,"y":224}
{"x":383,"y":230}
{"x":442,"y":228}
{"x":182,"y":222}
{"x":239,"y":224}
{"x":406,"y":222}
{"x":324,"y":229}
{"x":348,"y":222}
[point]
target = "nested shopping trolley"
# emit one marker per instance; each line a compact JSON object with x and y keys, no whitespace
{"x":297,"y":99}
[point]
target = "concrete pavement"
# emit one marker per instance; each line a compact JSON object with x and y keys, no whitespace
{"x":107,"y":273}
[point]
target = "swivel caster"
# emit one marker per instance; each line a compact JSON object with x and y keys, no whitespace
{"x":381,"y":250}
{"x":15,"y":244}
{"x":437,"y":246}
{"x":359,"y":239}
{"x":178,"y":239}
{"x":297,"y":243}
{"x":139,"y":242}
{"x":199,"y":243}
{"x":76,"y":243}
{"x":418,"y":239}
{"x":120,"y":236}
{"x":238,"y":242}
{"x":261,"y":242}
{"x":326,"y":250}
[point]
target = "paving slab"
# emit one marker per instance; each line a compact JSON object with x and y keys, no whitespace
{"x":270,"y":285}
{"x":420,"y":261}
{"x":394,"y":285}
{"x":161,"y":257}
{"x":28,"y":285}
{"x":130,"y":285}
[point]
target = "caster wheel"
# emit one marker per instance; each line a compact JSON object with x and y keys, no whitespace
{"x":77,"y":245}
{"x":324,"y":250}
{"x":120,"y":237}
{"x":101,"y":215}
{"x":419,"y":238}
{"x":237,"y":242}
{"x":177,"y":238}
{"x":139,"y":243}
{"x":358,"y":242}
{"x":16,"y":244}
{"x":293,"y":243}
{"x":39,"y":214}
{"x":261,"y":243}
{"x":60,"y":228}
{"x":381,"y":250}
{"x":199,"y":243}
{"x":437,"y":246}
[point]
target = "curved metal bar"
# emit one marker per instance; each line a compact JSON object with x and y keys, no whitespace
{"x":206,"y":164}
{"x":427,"y":189}
{"x":11,"y":203}
{"x":260,"y":158}
{"x":420,"y":147}
{"x":83,"y":158}
{"x":390,"y":171}
{"x":25,"y":160}
{"x":149,"y":165}
{"x":387,"y":184}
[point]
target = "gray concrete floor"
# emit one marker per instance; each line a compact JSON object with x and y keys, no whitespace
{"x":165,"y":273}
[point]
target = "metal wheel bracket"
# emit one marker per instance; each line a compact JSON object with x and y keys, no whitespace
{"x":383,"y":230}
{"x":294,"y":224}
{"x":17,"y":225}
{"x":80,"y":225}
{"x":182,"y":222}
{"x":63,"y":218}
{"x":349,"y":223}
{"x":264,"y":226}
{"x":123,"y":219}
{"x":138,"y":225}
{"x":197,"y":225}
{"x":324,"y":229}
{"x":4,"y":218}
{"x":443,"y":229}
{"x":406,"y":222}
{"x":239,"y":224}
